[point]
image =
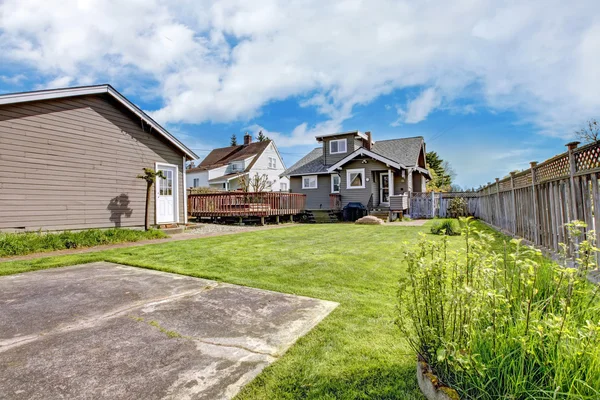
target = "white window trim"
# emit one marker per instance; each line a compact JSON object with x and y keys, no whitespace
{"x":352,"y":171}
{"x":272,"y":162}
{"x":194,"y":180}
{"x":337,"y":141}
{"x":339,"y":184}
{"x":310,"y":176}
{"x":281,"y":184}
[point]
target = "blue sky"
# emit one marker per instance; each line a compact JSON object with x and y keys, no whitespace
{"x":491,"y":85}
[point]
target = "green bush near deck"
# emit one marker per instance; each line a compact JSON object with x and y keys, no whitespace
{"x":14,"y":244}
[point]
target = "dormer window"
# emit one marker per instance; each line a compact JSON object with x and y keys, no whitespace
{"x":337,"y":146}
{"x":236,"y":166}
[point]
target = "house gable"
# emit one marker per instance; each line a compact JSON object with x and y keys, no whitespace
{"x":364,"y":152}
{"x":338,"y":146}
{"x":106,"y":90}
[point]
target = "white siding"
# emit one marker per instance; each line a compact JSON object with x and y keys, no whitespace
{"x":201,"y":175}
{"x":262,"y":167}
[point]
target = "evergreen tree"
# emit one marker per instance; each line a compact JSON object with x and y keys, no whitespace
{"x":233,"y":140}
{"x":261,"y":137}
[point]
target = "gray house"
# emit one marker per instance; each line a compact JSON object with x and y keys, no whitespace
{"x":69,"y":160}
{"x":351,"y":167}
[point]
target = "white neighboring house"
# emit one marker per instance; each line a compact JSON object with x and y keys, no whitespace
{"x":222,"y":168}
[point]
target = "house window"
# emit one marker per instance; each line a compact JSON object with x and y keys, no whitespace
{"x":309,"y":182}
{"x":272,"y":162}
{"x":355,"y":178}
{"x":196,"y":182}
{"x":234,"y":167}
{"x":224,"y":186}
{"x":337,"y":146}
{"x":283,"y":186}
{"x":335,"y":183}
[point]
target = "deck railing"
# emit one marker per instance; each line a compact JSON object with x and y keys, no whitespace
{"x":335,"y":201}
{"x":261,"y":204}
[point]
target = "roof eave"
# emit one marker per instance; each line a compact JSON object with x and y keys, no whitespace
{"x":370,"y":153}
{"x":50,"y":94}
{"x":356,"y":133}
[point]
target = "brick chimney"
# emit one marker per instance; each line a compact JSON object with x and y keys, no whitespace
{"x":369,"y":141}
{"x":247,"y":139}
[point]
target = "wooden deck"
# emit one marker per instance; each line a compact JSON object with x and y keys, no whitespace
{"x":245,"y":204}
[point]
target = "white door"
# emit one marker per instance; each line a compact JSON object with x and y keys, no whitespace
{"x":384,"y":188}
{"x":166,"y":195}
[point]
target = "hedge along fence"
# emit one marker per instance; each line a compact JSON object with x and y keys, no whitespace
{"x":471,"y":202}
{"x":535,"y":204}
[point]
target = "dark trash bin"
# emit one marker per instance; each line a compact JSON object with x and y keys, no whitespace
{"x":354,"y":211}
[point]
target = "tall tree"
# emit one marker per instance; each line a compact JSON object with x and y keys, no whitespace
{"x":261,"y":137}
{"x":441,"y":172}
{"x":149,"y":176}
{"x":233,"y":140}
{"x":590,"y":132}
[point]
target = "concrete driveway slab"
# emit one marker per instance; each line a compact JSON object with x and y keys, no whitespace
{"x":104,"y":330}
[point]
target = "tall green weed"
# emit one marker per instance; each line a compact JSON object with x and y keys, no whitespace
{"x":504,"y":325}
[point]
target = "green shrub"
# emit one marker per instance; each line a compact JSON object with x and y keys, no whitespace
{"x":12,"y":244}
{"x":457,"y":207}
{"x":445,"y":227}
{"x":505,"y":324}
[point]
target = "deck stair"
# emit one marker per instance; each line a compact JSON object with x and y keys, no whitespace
{"x":382,"y":213}
{"x":321,"y":216}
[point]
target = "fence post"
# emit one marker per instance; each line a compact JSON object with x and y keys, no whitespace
{"x":572,"y":170}
{"x":514,"y":202}
{"x":536,"y":226}
{"x":432,"y":204}
{"x":498,"y":203}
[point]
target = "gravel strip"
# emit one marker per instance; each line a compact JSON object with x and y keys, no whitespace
{"x":204,"y":229}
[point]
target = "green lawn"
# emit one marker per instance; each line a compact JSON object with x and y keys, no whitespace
{"x":356,"y":352}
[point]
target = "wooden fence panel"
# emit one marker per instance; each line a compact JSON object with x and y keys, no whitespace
{"x":537,"y":203}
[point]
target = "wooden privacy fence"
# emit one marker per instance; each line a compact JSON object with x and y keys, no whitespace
{"x":471,"y":201}
{"x":535,"y":204}
{"x":423,"y":205}
{"x":245,"y":204}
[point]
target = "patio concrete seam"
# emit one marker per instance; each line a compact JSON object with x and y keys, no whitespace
{"x":88,"y":323}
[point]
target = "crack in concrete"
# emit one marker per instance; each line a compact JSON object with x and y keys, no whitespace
{"x":88,"y":323}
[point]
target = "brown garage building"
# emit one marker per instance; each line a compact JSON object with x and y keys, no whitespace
{"x":69,"y":160}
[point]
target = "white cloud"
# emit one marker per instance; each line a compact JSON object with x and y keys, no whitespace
{"x":419,"y":108}
{"x":302,"y":134}
{"x":225,"y":60}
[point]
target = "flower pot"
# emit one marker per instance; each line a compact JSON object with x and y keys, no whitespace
{"x":430,"y":385}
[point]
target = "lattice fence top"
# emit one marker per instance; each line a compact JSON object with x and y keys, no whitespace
{"x":555,"y":168}
{"x":587,"y":158}
{"x":505,"y":185}
{"x":450,"y":195}
{"x":523,"y":179}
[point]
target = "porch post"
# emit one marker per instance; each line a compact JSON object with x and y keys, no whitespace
{"x":391,"y":181}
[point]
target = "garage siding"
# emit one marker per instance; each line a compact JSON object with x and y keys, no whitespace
{"x":72,"y":164}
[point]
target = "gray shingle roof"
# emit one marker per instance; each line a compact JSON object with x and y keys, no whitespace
{"x":404,"y":151}
{"x":309,"y":164}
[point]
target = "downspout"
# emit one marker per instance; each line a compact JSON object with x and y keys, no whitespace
{"x":185,"y":198}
